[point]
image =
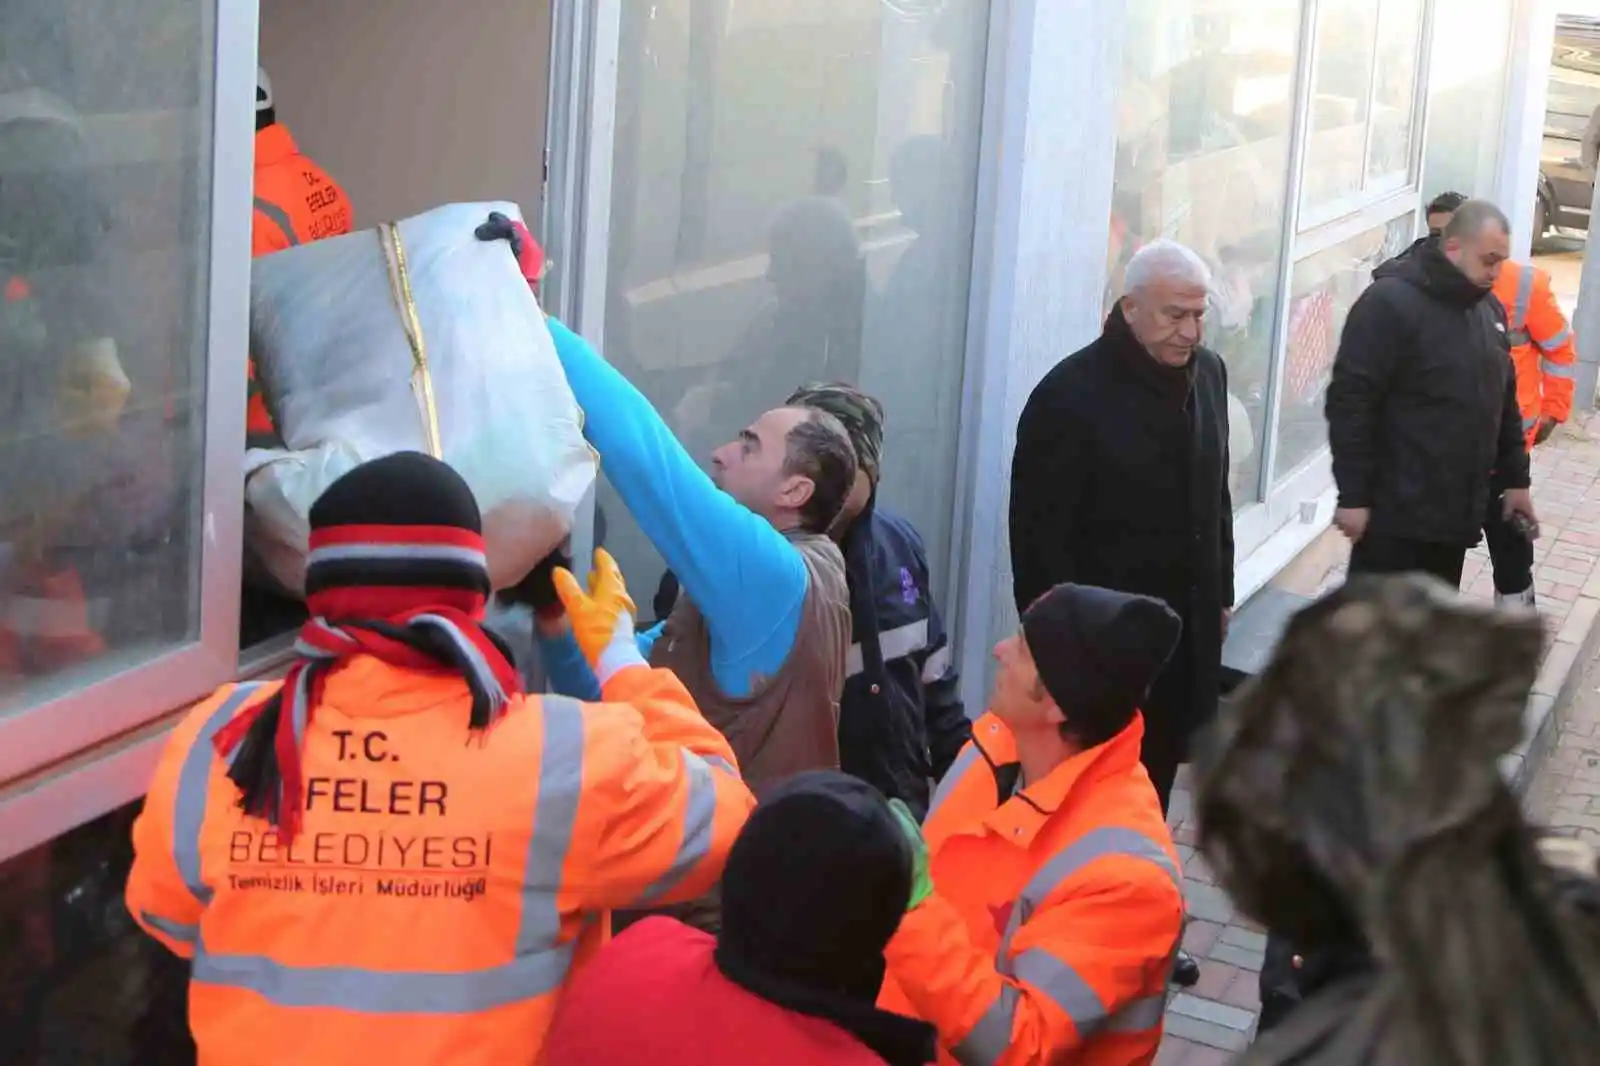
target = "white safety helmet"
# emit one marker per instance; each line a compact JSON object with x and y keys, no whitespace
{"x":263,"y":90}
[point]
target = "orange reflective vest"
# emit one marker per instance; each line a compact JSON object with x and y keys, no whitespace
{"x":1056,"y":913}
{"x":296,"y":202}
{"x":1542,"y":345}
{"x":442,"y":886}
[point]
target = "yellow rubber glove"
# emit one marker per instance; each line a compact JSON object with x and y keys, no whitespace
{"x":602,"y":617}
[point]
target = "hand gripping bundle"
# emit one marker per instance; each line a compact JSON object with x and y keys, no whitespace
{"x":415,"y":336}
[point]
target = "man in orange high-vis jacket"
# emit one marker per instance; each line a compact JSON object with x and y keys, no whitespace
{"x":1545,"y":358}
{"x":1543,"y":348}
{"x":395,"y":854}
{"x":1049,"y":908}
{"x":296,"y":202}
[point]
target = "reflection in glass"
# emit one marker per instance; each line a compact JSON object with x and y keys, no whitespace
{"x":1360,"y":136}
{"x":1203,"y":158}
{"x":1336,"y":144}
{"x":792,"y":200}
{"x":1394,"y":88}
{"x":104,"y":160}
{"x":1323,"y":288}
{"x":1466,"y":87}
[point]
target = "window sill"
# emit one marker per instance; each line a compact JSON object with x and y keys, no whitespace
{"x":1252,"y":573}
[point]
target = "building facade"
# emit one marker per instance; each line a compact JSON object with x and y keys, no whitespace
{"x":933,"y":198}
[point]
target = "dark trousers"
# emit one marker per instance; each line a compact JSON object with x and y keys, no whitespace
{"x":1510,"y":552}
{"x":1161,"y":763}
{"x":1378,"y":553}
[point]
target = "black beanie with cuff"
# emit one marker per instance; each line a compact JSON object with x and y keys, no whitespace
{"x":1098,"y":651}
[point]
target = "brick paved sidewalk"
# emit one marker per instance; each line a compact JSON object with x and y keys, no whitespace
{"x":1208,"y":1024}
{"x":1566,"y":791}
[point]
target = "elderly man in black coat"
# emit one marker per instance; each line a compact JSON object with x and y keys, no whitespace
{"x":1120,"y":479}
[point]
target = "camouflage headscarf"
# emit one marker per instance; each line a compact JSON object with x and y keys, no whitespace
{"x":1353,"y":801}
{"x":862,"y":416}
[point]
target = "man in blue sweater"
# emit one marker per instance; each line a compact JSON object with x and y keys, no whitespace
{"x":761,"y":632}
{"x":901,"y":721}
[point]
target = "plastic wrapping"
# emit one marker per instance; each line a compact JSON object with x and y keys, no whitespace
{"x":332,"y":331}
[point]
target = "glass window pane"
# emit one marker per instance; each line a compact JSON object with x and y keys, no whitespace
{"x":104,"y":186}
{"x":1336,"y":145}
{"x":1572,"y":102}
{"x":1203,"y":158}
{"x":1323,"y":288}
{"x":1466,"y":86}
{"x":1399,"y":30}
{"x":793,"y":194}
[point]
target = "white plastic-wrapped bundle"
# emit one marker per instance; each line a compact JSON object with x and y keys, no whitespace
{"x":415,"y":336}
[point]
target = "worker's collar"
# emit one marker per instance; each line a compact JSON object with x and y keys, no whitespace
{"x":274,"y":145}
{"x":364,"y":686}
{"x":1020,"y":816}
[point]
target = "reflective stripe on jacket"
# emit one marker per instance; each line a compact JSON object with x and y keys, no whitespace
{"x":1056,"y":914}
{"x":1542,"y":345}
{"x":442,"y":885}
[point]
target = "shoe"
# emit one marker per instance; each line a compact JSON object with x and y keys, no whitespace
{"x":1185,"y":970}
{"x":1524,"y":599}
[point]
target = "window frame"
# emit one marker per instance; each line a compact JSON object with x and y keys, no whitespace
{"x":37,"y":737}
{"x":1255,"y":523}
{"x":1314,"y":216}
{"x":585,"y":49}
{"x":1302,"y":493}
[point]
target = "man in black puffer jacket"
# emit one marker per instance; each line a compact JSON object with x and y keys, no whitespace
{"x":1423,"y":406}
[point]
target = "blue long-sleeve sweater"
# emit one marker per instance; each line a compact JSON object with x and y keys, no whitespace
{"x":749,"y":582}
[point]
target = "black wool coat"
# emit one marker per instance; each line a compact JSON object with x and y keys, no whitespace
{"x":1120,"y":479}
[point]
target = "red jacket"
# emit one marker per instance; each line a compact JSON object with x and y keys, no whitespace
{"x":654,"y":995}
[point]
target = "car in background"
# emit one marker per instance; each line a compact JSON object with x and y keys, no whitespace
{"x":1566,"y":176}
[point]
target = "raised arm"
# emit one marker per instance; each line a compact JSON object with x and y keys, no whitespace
{"x":747,"y":580}
{"x":662,"y":798}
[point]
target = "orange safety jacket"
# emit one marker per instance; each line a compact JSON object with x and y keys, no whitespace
{"x":1542,"y":345}
{"x":1056,"y":914}
{"x":296,"y":202}
{"x":442,"y":886}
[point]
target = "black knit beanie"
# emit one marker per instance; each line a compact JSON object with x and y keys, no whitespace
{"x":816,"y":885}
{"x":814,"y":888}
{"x":397,"y":569}
{"x":1098,"y":652}
{"x":405,"y":520}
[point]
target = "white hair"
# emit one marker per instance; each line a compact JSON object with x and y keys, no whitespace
{"x":1165,"y":259}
